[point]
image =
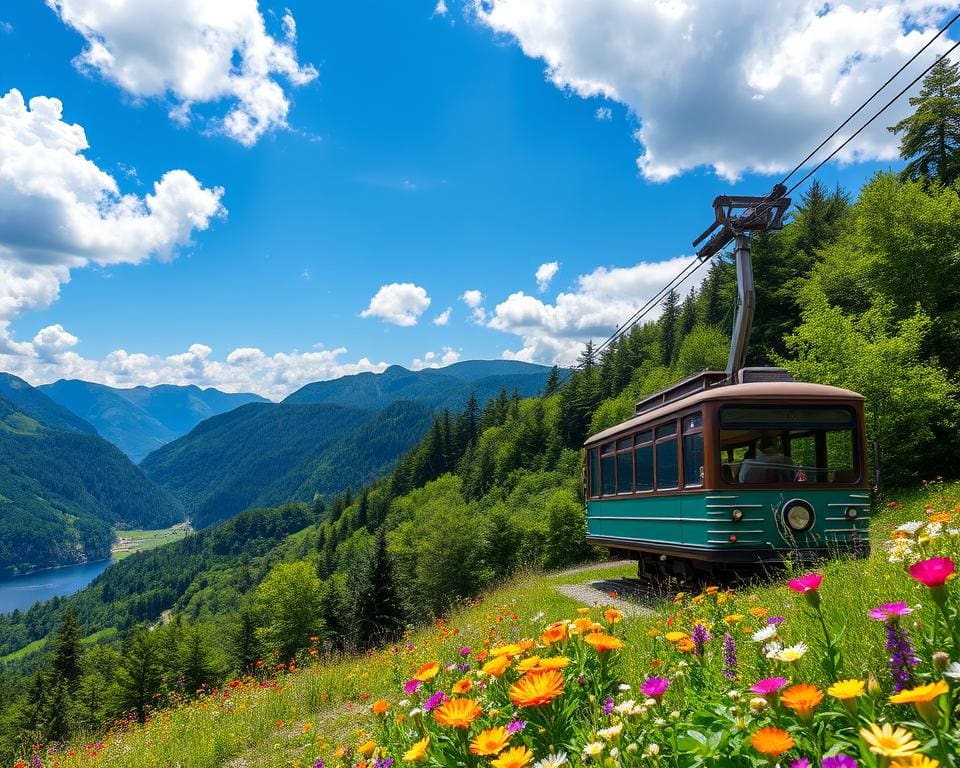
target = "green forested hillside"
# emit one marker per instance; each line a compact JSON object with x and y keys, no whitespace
{"x":61,"y":493}
{"x":139,"y":420}
{"x":39,"y":406}
{"x":264,"y":454}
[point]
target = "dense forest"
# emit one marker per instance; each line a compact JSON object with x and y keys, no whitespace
{"x":852,"y":292}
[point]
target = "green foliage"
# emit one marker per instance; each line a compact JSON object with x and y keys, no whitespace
{"x":907,"y":397}
{"x":704,"y":348}
{"x":378,"y":615}
{"x":931,"y":135}
{"x":566,"y":531}
{"x":288,"y":605}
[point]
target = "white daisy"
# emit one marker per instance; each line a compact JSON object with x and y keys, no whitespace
{"x":770,"y":650}
{"x":767,"y":633}
{"x":610,"y":733}
{"x":552,"y":761}
{"x":911,"y":527}
{"x":625,"y":707}
{"x":953,"y":671}
{"x":792,"y":653}
{"x":593,"y":749}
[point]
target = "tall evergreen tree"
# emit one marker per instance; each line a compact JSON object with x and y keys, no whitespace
{"x":378,"y":613}
{"x":138,"y":677}
{"x":363,"y":509}
{"x":245,"y":645}
{"x":931,"y":135}
{"x":553,"y":382}
{"x":196,"y":663}
{"x":67,"y":659}
{"x":669,"y":322}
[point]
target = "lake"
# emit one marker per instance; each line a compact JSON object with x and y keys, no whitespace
{"x":23,"y":591}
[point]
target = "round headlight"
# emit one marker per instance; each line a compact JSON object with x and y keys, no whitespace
{"x":798,"y":515}
{"x":852,"y":513}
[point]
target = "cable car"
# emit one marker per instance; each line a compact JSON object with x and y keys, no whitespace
{"x":737,"y":467}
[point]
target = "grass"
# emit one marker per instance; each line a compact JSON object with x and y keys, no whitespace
{"x":288,"y":721}
{"x":137,"y":540}
{"x":36,"y":645}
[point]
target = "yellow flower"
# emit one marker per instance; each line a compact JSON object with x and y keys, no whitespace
{"x":497,"y":666}
{"x":367,"y":748}
{"x":675,"y":637}
{"x":653,"y":632}
{"x":888,"y":741}
{"x":515,"y":757}
{"x":922,"y":694}
{"x":554,"y":662}
{"x":772,"y":741}
{"x":583,"y":611}
{"x":758,"y":612}
{"x":525,"y":665}
{"x":427,"y":672}
{"x":581,"y":625}
{"x":733,"y":618}
{"x":917,"y":761}
{"x":844,"y":690}
{"x":537,"y":688}
{"x":417,"y":751}
{"x":457,"y":713}
{"x":510,"y":650}
{"x":490,"y":742}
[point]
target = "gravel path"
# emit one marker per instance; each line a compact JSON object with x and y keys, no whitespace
{"x":592,"y":594}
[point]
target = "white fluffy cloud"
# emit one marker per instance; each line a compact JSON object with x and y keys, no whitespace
{"x":59,"y":211}
{"x":474,"y":299}
{"x":444,"y":317}
{"x":733,"y":85}
{"x":446,"y":356}
{"x":604,"y":298}
{"x":195,"y":52}
{"x":50,"y":356}
{"x":546,"y":273}
{"x":398,"y":303}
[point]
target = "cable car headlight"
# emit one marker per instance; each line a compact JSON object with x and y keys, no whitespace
{"x":736,"y":515}
{"x":852,"y":513}
{"x":798,"y":515}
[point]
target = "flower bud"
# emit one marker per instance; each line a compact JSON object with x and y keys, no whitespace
{"x":674,"y":715}
{"x":632,"y":747}
{"x":941,"y":660}
{"x":873,"y":686}
{"x":653,"y":749}
{"x":758,"y":704}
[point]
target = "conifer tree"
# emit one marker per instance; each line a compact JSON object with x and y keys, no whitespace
{"x":245,"y":645}
{"x":668,"y":327}
{"x":138,"y":677}
{"x":378,"y":613}
{"x":67,"y":659}
{"x":197,"y":667}
{"x":931,"y":135}
{"x":553,"y":382}
{"x":363,"y":509}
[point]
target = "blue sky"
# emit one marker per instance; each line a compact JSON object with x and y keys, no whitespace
{"x":432,"y":149}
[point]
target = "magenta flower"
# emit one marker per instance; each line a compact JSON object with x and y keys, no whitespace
{"x":808,"y":583}
{"x":434,"y":701}
{"x":800,"y":762}
{"x":515,"y":726}
{"x":889,"y":611}
{"x":608,"y":706}
{"x":411,"y":686}
{"x":465,"y":651}
{"x":933,"y":572}
{"x":769,"y":685}
{"x":655,"y":687}
{"x":839,"y":761}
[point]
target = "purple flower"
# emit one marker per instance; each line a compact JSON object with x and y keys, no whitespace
{"x":700,"y":637}
{"x":411,"y":686}
{"x":516,"y":726}
{"x":839,"y":761}
{"x":608,"y":706}
{"x":729,"y":657}
{"x":769,"y":685}
{"x":465,"y":651}
{"x":581,"y":680}
{"x":800,"y":762}
{"x":890,"y":611}
{"x":902,"y":656}
{"x":655,"y":687}
{"x":36,"y":762}
{"x":775,"y":621}
{"x":319,"y":763}
{"x":437,"y":698}
{"x":464,"y":667}
{"x":410,"y":646}
{"x":383,"y":762}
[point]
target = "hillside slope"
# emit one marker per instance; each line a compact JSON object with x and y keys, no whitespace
{"x":141,"y":419}
{"x":37,"y":405}
{"x":268,"y":454}
{"x":61,"y":492}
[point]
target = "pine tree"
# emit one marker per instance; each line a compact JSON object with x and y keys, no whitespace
{"x":67,"y":659}
{"x":688,"y":319}
{"x":363,"y":509}
{"x":138,"y":677}
{"x":668,"y":327}
{"x":245,"y":646}
{"x":553,"y":382}
{"x":931,"y":135}
{"x":196,"y":664}
{"x":378,"y":613}
{"x":588,"y":358}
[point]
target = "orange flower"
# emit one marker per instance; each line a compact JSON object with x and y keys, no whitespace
{"x":462,"y":686}
{"x":380,"y":706}
{"x":554,"y":662}
{"x":555,"y":633}
{"x":772,"y":741}
{"x":417,"y":751}
{"x":581,"y":625}
{"x":940,"y":517}
{"x":525,"y":665}
{"x":536,"y":689}
{"x":686,"y":645}
{"x":515,"y":757}
{"x":802,"y":699}
{"x":510,"y":650}
{"x":490,"y":742}
{"x":527,"y":644}
{"x":482,"y":655}
{"x":457,"y":713}
{"x":758,"y":612}
{"x":427,"y":672}
{"x":496,"y":666}
{"x":367,"y":748}
{"x":602,"y":643}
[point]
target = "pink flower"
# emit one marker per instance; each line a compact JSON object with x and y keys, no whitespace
{"x":808,"y":583}
{"x":769,"y":685}
{"x":655,"y":687}
{"x":933,"y":572}
{"x":889,"y":611}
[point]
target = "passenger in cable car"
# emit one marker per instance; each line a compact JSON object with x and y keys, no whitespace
{"x":770,"y":465}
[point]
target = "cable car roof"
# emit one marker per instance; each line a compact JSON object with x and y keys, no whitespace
{"x":766,"y":391}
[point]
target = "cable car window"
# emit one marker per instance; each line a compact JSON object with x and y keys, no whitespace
{"x":608,"y":478}
{"x":594,"y":472}
{"x":668,"y":468}
{"x":624,"y":443}
{"x":643,"y":456}
{"x":667,"y":429}
{"x":776,"y":445}
{"x":625,"y":471}
{"x":693,"y":449}
{"x":644,"y":437}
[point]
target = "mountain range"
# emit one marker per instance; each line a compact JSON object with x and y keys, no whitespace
{"x":139,"y":420}
{"x":63,"y":488}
